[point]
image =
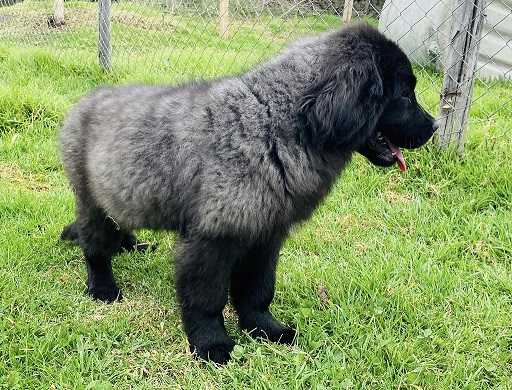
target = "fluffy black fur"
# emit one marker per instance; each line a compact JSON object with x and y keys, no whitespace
{"x":232,"y":165}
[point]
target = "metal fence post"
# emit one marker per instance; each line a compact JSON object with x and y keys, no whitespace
{"x":459,"y":76}
{"x":104,"y":34}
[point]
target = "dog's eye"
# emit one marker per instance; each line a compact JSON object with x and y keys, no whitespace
{"x":406,"y":95}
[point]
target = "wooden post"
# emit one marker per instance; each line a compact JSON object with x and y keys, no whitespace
{"x":347,"y":11}
{"x":224,"y":19}
{"x":104,"y":34}
{"x":457,"y":90}
{"x":58,"y":12}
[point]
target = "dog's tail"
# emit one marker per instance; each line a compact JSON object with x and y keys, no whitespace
{"x":70,"y":233}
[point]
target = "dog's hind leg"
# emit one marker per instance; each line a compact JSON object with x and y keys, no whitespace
{"x":129,"y":242}
{"x":100,"y":238}
{"x":203,"y":268}
{"x":252,"y":291}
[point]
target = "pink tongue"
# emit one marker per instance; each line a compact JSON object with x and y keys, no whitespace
{"x":400,"y":158}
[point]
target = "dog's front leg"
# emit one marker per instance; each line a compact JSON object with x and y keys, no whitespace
{"x":203,"y":268}
{"x":252,"y":291}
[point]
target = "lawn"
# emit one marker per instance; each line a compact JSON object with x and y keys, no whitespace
{"x":400,"y":280}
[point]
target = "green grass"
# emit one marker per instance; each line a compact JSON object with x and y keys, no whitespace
{"x":398,"y":281}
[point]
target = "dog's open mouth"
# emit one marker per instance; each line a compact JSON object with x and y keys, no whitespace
{"x":381,"y":151}
{"x":397,"y":154}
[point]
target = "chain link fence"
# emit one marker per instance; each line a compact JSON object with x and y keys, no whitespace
{"x":180,"y":40}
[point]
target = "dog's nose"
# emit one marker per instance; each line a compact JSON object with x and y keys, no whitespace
{"x":435,"y":126}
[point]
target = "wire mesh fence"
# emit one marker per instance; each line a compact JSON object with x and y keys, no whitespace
{"x":209,"y":38}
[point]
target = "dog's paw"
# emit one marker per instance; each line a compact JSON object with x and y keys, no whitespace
{"x":138,"y":247}
{"x":286,"y":335}
{"x":70,"y":233}
{"x":131,"y":243}
{"x":219,"y":352}
{"x":263,"y":325}
{"x":277,"y":333}
{"x":106,"y":294}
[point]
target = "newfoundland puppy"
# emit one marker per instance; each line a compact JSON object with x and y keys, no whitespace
{"x":231,"y":165}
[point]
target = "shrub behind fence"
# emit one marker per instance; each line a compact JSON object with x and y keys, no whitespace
{"x":209,"y":38}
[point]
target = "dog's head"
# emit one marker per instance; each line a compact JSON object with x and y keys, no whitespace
{"x":364,"y":100}
{"x":403,"y":123}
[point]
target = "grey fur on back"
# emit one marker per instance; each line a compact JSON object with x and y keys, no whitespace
{"x":222,"y":158}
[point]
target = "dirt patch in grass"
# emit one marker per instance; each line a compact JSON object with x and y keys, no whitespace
{"x":25,"y":20}
{"x":13,"y":178}
{"x":145,"y":22}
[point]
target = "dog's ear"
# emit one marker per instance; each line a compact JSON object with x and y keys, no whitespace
{"x":342,"y":104}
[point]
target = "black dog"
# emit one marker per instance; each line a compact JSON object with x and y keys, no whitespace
{"x":232,"y":165}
